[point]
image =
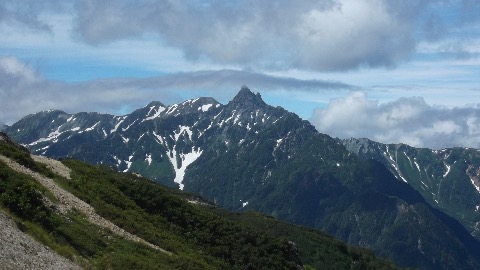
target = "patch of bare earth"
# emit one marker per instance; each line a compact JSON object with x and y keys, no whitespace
{"x":20,"y":251}
{"x":54,"y":165}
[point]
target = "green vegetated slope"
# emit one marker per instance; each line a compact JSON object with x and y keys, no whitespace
{"x":198,"y":235}
{"x":315,"y":247}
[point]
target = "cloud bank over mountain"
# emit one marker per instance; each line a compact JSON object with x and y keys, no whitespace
{"x":31,"y":92}
{"x":407,"y":120}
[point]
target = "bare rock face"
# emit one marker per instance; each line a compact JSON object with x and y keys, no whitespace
{"x":20,"y":251}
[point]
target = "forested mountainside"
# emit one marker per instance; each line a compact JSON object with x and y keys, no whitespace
{"x":247,"y":155}
{"x":99,"y":218}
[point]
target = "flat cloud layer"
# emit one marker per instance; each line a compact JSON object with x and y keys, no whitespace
{"x":23,"y":90}
{"x":406,"y":120}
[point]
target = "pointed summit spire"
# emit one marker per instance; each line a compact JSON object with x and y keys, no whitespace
{"x":246,"y":97}
{"x":245,"y":90}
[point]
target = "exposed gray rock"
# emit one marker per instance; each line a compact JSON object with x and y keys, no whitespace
{"x":20,"y":251}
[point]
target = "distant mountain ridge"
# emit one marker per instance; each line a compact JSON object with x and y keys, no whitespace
{"x":249,"y":155}
{"x":448,"y":179}
{"x":58,"y":134}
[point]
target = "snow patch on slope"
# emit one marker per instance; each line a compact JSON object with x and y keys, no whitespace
{"x":474,"y":177}
{"x":205,"y":108}
{"x":183,"y":129}
{"x":118,"y":124}
{"x":279,"y":141}
{"x":90,"y":128}
{"x":394,"y":164}
{"x":53,"y":136}
{"x":172,"y":108}
{"x":118,"y":161}
{"x":416,"y":164}
{"x":187,"y":159}
{"x":157,"y":113}
{"x":148,"y":159}
{"x":128,"y":162}
{"x":447,"y":171}
{"x":125,"y":129}
{"x":159,"y":138}
{"x":474,"y":184}
{"x":125,"y":140}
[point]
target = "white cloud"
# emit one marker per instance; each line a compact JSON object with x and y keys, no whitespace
{"x":406,"y":120}
{"x":12,"y":67}
{"x":318,"y":35}
{"x":326,"y":35}
{"x":353,"y":34}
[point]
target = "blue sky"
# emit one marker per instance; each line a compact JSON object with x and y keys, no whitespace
{"x":394,"y":71}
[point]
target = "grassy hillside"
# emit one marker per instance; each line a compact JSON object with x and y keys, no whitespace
{"x":198,"y":235}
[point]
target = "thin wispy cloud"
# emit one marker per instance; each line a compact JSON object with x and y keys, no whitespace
{"x":21,"y":82}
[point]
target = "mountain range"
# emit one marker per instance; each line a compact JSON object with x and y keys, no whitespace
{"x":448,"y":179}
{"x":416,"y":207}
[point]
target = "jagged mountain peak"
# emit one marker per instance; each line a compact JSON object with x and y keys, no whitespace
{"x":246,"y":97}
{"x":46,"y":113}
{"x":155,"y":104}
{"x":201,"y":103}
